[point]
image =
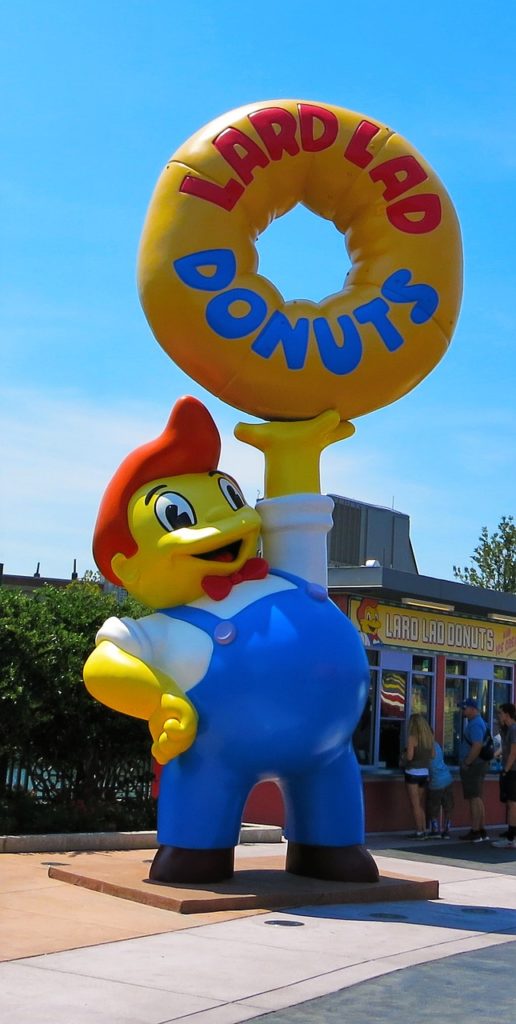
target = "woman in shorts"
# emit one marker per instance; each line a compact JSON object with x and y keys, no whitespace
{"x":416,"y":761}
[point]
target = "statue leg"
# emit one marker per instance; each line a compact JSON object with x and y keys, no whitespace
{"x":325,"y":823}
{"x":199,"y":816}
{"x":177,"y":865}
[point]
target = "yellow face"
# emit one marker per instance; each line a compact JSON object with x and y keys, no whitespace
{"x":371,"y":622}
{"x":186,"y":527}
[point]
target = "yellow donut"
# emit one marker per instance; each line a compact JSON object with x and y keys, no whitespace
{"x":229,"y":327}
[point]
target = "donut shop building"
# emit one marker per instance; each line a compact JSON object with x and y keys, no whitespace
{"x":430,"y":643}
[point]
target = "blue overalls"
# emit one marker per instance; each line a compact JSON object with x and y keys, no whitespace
{"x":283,"y":693}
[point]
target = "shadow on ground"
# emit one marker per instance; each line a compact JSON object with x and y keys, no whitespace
{"x":474,"y":985}
{"x":430,"y":913}
{"x":481,"y":856}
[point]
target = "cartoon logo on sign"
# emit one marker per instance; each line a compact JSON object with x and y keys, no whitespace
{"x":369,"y":622}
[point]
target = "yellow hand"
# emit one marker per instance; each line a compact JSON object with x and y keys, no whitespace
{"x":292,"y":450}
{"x":173,"y":727}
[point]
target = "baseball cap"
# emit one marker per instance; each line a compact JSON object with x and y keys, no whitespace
{"x":468,"y":703}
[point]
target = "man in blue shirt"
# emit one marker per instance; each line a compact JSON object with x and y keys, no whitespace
{"x":473,"y":769}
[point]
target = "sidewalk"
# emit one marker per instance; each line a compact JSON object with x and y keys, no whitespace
{"x":76,"y":955}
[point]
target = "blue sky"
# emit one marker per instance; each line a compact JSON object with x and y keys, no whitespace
{"x":96,"y":96}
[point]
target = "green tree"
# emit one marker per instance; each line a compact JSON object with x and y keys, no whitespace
{"x":494,"y":558}
{"x":47,"y":717}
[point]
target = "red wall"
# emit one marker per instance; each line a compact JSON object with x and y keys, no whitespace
{"x":265,"y":805}
{"x":386,"y":804}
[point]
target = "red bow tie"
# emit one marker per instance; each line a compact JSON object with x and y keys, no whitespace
{"x":218,"y":587}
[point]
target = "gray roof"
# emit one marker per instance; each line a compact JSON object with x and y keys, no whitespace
{"x":391,"y":584}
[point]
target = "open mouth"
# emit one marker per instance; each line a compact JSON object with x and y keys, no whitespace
{"x":228,"y":553}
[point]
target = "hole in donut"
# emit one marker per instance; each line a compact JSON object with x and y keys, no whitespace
{"x":303,"y":255}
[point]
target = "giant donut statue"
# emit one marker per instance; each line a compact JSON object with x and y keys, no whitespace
{"x":229,"y":327}
{"x":246,"y":670}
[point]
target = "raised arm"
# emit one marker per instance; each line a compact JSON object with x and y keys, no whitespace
{"x":296,"y":517}
{"x":292,"y":450}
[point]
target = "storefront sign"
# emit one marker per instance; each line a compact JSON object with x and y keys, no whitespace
{"x":385,"y":624}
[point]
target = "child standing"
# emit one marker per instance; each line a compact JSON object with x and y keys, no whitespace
{"x":439,"y":795}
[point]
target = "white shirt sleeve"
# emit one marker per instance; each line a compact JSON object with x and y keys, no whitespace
{"x":294,"y":534}
{"x":176,"y":648}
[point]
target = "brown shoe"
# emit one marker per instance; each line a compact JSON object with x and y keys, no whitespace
{"x":176,"y":864}
{"x":334,"y":863}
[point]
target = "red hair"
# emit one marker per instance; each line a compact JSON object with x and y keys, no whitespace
{"x":190,"y":443}
{"x":365,"y":604}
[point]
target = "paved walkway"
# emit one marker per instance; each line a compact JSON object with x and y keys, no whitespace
{"x":81,"y":956}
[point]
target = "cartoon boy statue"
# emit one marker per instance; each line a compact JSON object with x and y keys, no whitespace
{"x":245,"y":670}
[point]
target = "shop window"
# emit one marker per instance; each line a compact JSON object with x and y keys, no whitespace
{"x":502,"y":694}
{"x":400,"y":684}
{"x":393,"y":694}
{"x":503,"y":672}
{"x":363,"y":737}
{"x":494,"y":687}
{"x":479,"y":691}
{"x":422,"y":685}
{"x":393,"y":703}
{"x":455,"y":668}
{"x":452,"y":725}
{"x":421,"y":663}
{"x":390,"y":743}
{"x":421,"y":695}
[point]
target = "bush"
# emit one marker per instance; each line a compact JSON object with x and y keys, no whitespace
{"x":21,"y":814}
{"x":85,"y":760}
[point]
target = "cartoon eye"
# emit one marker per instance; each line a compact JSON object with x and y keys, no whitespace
{"x":174,"y":512}
{"x":232,"y":493}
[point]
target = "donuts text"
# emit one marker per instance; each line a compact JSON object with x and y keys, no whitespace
{"x":234,"y":313}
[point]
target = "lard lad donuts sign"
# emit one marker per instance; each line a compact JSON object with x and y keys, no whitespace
{"x":229,"y":327}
